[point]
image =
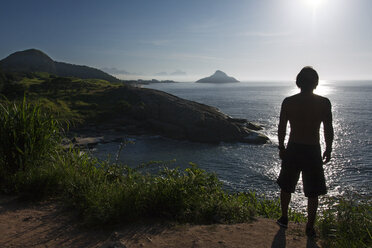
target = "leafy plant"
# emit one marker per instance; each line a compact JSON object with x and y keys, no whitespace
{"x":28,"y":135}
{"x":347,"y":222}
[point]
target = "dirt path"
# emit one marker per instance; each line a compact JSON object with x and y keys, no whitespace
{"x":46,"y":224}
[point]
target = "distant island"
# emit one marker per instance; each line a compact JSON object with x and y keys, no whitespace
{"x":218,"y":77}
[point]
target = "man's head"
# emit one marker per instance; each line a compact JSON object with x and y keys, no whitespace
{"x":307,"y":79}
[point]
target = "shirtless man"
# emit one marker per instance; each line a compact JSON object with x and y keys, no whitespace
{"x":305,"y":112}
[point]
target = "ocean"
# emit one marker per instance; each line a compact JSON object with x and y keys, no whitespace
{"x":244,"y":167}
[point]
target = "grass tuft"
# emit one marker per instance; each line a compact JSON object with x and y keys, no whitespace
{"x":347,"y":222}
{"x":29,"y":137}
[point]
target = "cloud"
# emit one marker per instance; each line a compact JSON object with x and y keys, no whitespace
{"x":264,"y":34}
{"x":175,"y":73}
{"x":188,"y":56}
{"x":163,"y":73}
{"x":178,"y":73}
{"x":156,"y":42}
{"x":114,"y":70}
{"x":203,"y":26}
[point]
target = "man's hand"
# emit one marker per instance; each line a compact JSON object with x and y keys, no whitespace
{"x":326,"y":156}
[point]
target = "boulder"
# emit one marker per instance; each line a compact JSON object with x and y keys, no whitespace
{"x":86,"y":141}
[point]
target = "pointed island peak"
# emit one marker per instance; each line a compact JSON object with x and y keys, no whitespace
{"x":218,"y":77}
{"x":219,"y":73}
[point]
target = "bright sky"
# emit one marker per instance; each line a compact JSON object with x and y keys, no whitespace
{"x":189,"y":39}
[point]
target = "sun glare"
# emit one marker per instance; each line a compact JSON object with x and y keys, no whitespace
{"x":314,"y":3}
{"x":324,"y":88}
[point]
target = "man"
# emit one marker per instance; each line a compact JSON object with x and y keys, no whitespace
{"x":305,"y":112}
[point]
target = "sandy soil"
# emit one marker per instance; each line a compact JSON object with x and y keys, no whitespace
{"x":47,"y":224}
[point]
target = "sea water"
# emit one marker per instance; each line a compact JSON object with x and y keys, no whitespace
{"x":244,"y":167}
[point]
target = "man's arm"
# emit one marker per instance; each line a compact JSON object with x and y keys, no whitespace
{"x":328,"y":132}
{"x":282,"y":128}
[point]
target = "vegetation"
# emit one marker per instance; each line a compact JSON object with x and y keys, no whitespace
{"x":78,"y":100}
{"x":34,"y":165}
{"x":346,"y":222}
{"x":28,"y":136}
{"x":108,"y":192}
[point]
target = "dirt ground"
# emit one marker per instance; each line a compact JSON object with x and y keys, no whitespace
{"x":47,"y":224}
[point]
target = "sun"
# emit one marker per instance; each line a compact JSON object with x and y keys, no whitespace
{"x":314,"y":3}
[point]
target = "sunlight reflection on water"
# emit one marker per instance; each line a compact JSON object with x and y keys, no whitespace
{"x":245,"y":167}
{"x":324,"y":88}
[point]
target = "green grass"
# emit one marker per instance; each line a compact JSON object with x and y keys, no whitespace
{"x":28,"y":135}
{"x":346,"y":222}
{"x":80,"y":101}
{"x":34,"y":165}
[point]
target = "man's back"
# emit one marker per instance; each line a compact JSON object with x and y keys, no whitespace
{"x":305,"y":112}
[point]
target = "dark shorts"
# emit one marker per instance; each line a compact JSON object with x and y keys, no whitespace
{"x":308,"y":160}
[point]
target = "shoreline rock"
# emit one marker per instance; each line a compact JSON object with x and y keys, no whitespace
{"x":164,"y":114}
{"x":178,"y":118}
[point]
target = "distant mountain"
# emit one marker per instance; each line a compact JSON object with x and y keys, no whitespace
{"x":33,"y":60}
{"x":218,"y":77}
{"x":28,"y":61}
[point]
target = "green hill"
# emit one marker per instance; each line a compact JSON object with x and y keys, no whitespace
{"x":33,"y":60}
{"x":75,"y":99}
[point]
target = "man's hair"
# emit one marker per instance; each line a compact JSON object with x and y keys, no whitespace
{"x":307,"y":79}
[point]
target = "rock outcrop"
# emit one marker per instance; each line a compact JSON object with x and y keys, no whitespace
{"x":218,"y":77}
{"x":178,"y":118}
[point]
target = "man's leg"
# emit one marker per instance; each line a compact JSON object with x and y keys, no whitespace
{"x":285,"y":198}
{"x":312,"y":206}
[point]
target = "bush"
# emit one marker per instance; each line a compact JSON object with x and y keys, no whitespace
{"x":104,"y":193}
{"x":29,"y":137}
{"x":346,"y":222}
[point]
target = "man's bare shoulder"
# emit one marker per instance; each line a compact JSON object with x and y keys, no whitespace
{"x":299,"y":97}
{"x":291,"y":98}
{"x":322,"y":100}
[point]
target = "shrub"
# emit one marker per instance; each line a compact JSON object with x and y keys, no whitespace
{"x":28,"y":136}
{"x":104,"y":193}
{"x":346,"y":222}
